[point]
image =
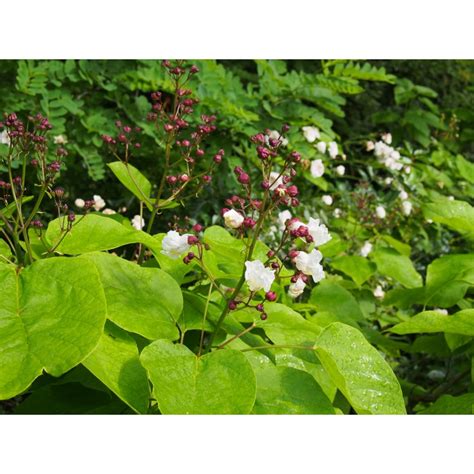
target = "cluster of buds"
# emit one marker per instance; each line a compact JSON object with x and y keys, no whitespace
{"x":126,"y":136}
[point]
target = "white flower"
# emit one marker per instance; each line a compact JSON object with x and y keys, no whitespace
{"x":380,"y":211}
{"x":138,"y":222}
{"x":174,"y":245}
{"x":327,"y":199}
{"x":233,"y":219}
{"x":5,"y":138}
{"x":275,"y":180}
{"x":407,"y":169}
{"x":436,"y":374}
{"x":308,"y":263}
{"x":311,"y":134}
{"x":387,"y":138}
{"x":333,"y":149}
{"x":337,"y":213}
{"x":366,"y":249}
{"x":369,"y":146}
{"x":99,"y":203}
{"x":378,"y":292}
{"x":60,"y":140}
{"x":444,"y":312}
{"x":388,"y":181}
{"x":403,"y":195}
{"x":108,"y":212}
{"x":283,"y":217}
{"x":430,"y":221}
{"x":321,"y":147}
{"x":340,"y":170}
{"x":318,"y":231}
{"x":258,"y":276}
{"x":407,"y":207}
{"x":80,"y":203}
{"x":317,"y":168}
{"x":275,"y":135}
{"x":297,"y":288}
{"x":451,"y":198}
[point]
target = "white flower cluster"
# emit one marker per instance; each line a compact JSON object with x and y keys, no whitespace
{"x":174,"y":245}
{"x":388,"y":155}
{"x":258,"y":276}
{"x":4,"y":138}
{"x":319,"y":232}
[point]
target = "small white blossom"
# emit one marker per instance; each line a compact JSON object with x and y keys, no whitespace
{"x":308,"y":263}
{"x":387,"y":138}
{"x":321,"y":147}
{"x":403,"y":195}
{"x":80,"y":203}
{"x":337,"y":213}
{"x":378,"y":292}
{"x":369,"y":145}
{"x":340,"y":170}
{"x":366,"y":249}
{"x":407,"y":207}
{"x":138,"y":222}
{"x":311,"y":134}
{"x":317,"y":168}
{"x":430,"y":221}
{"x":380,"y":212}
{"x":174,"y":245}
{"x":407,"y":169}
{"x":275,"y":180}
{"x":99,"y":203}
{"x":327,"y":199}
{"x":388,"y":181}
{"x":257,"y":276}
{"x":275,"y":135}
{"x":319,"y":232}
{"x":296,"y":289}
{"x":333,"y":149}
{"x":5,"y":138}
{"x":444,"y":312}
{"x":451,"y":198}
{"x":283,"y":217}
{"x":233,"y":219}
{"x":60,"y":140}
{"x":436,"y":374}
{"x":108,"y":212}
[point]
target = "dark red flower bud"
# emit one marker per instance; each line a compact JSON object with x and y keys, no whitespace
{"x":232,"y":304}
{"x":249,"y":222}
{"x":193,"y":69}
{"x":184,"y":178}
{"x":295,"y":202}
{"x":293,"y":254}
{"x":197,"y":228}
{"x":263,"y":316}
{"x":206,"y":178}
{"x":259,"y":307}
{"x":285,"y":128}
{"x":171,"y":179}
{"x":192,"y":240}
{"x":295,"y":156}
{"x":270,"y":296}
{"x":71,"y":217}
{"x":200,"y":152}
{"x":275,"y":265}
{"x":265,"y":185}
{"x":270,"y":254}
{"x":243,"y":178}
{"x":292,"y":191}
{"x":168,"y":127}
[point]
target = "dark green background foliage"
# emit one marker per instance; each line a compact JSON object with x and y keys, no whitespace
{"x":346,"y":99}
{"x":423,"y":259}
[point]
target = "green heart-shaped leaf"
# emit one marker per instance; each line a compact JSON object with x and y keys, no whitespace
{"x":52,"y":315}
{"x":221,"y":382}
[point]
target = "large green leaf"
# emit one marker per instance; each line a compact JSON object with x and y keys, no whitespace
{"x":359,"y":371}
{"x":221,"y":382}
{"x":449,"y":405}
{"x":52,"y":315}
{"x":433,"y":321}
{"x":283,"y":325}
{"x":399,"y":267}
{"x":96,"y":232}
{"x":331,"y":297}
{"x":358,"y":268}
{"x":459,"y":215}
{"x":284,"y":390}
{"x":115,"y":361}
{"x":146,"y":301}
{"x":133,"y":180}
